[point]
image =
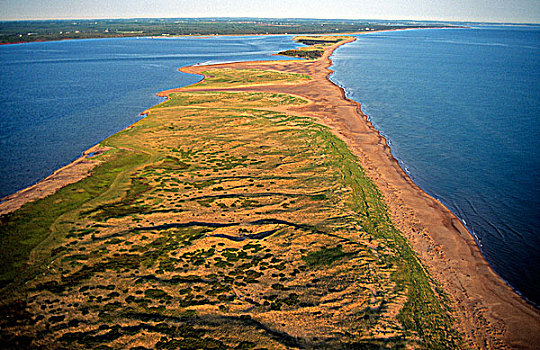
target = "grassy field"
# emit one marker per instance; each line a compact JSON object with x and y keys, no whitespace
{"x":315,"y":46}
{"x":227,"y":77}
{"x":228,"y":99}
{"x":217,"y":223}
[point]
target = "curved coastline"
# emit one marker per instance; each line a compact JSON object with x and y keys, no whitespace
{"x":507,"y":313}
{"x":489,"y":312}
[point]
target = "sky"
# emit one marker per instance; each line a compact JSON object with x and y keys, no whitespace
{"x":517,"y":11}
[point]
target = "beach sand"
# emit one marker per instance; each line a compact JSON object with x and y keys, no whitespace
{"x":488,"y":312}
{"x":71,"y":173}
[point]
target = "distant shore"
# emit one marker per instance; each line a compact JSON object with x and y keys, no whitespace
{"x":202,"y":36}
{"x":488,"y":312}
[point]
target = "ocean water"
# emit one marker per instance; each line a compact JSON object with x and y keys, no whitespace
{"x":461,"y":111}
{"x":57,"y":99}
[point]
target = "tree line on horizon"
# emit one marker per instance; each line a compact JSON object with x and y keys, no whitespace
{"x":45,"y":30}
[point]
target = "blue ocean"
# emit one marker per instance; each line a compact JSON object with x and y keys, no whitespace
{"x":58,"y":99}
{"x":460,"y":109}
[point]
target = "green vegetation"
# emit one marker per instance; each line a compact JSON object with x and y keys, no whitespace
{"x":315,"y":48}
{"x":27,"y":31}
{"x":311,"y":54}
{"x":227,"y":77}
{"x":425,"y":312}
{"x":318,"y":40}
{"x":325,"y":256}
{"x":23,"y":230}
{"x":218,"y":223}
{"x":228,"y":99}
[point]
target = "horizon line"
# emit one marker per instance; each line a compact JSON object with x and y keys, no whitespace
{"x":268,"y":18}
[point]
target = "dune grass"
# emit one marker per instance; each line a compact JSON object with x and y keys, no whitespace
{"x":228,"y":77}
{"x":228,"y":99}
{"x":216,"y":223}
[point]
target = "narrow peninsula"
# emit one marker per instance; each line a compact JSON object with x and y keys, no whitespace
{"x":257,"y":208}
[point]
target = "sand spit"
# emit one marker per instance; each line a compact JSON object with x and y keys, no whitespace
{"x":71,"y":173}
{"x":489,"y":313}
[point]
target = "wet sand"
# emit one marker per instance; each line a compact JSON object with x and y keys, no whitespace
{"x":488,"y":312}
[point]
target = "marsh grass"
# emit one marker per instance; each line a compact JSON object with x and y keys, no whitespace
{"x":23,"y":230}
{"x":228,"y":99}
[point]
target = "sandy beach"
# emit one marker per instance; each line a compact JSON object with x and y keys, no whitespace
{"x":71,"y":173}
{"x":488,"y":312}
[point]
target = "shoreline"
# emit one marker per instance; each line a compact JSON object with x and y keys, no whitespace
{"x":509,"y":294}
{"x":462,"y":220}
{"x":206,"y":36}
{"x":68,"y":174}
{"x":489,"y":312}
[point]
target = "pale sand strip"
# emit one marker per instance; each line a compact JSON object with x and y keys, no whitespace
{"x":71,"y":173}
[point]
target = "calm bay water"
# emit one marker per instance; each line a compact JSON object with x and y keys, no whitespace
{"x":60,"y":98}
{"x":461,"y":109}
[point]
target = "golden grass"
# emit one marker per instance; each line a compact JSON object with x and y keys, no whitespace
{"x":228,"y":77}
{"x":222,"y":224}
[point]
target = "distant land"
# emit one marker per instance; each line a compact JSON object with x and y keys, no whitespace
{"x":46,"y":30}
